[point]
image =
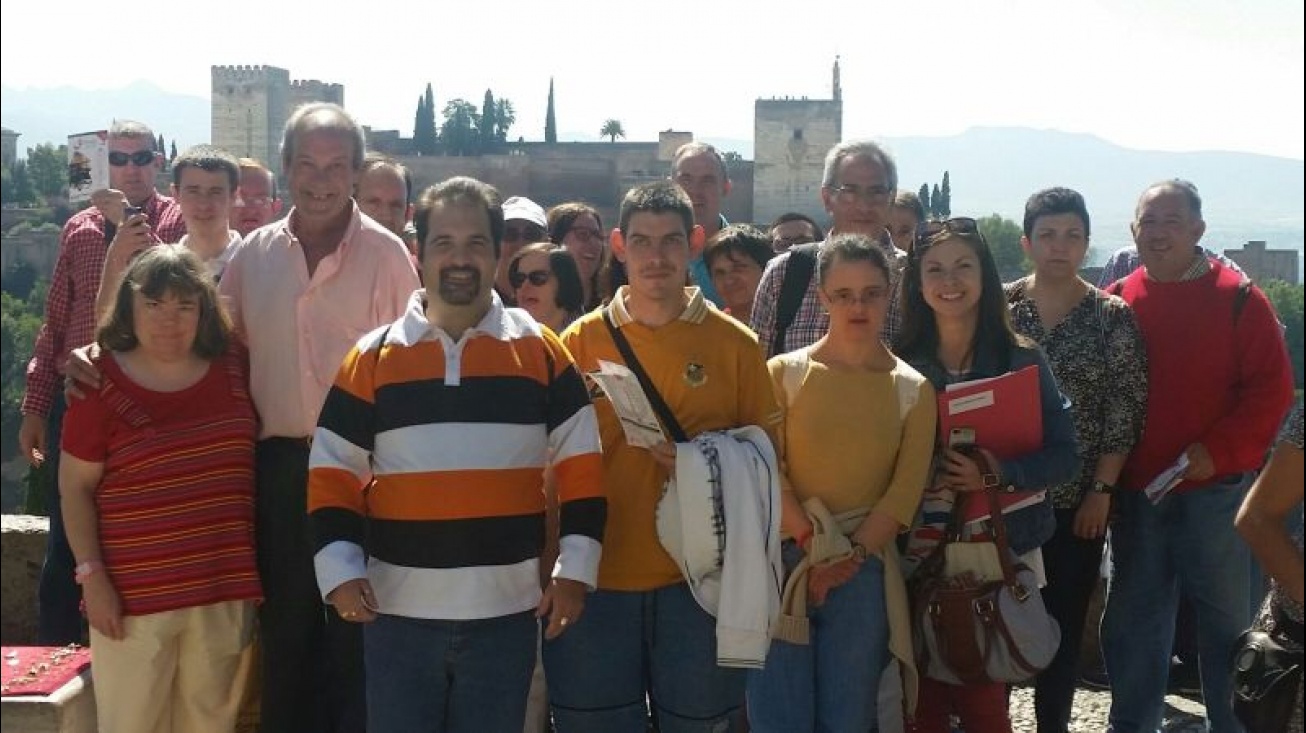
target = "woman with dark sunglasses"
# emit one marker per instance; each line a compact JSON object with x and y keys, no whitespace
{"x":956,"y":328}
{"x":547,"y":283}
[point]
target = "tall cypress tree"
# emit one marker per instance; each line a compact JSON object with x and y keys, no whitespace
{"x":936,"y":202}
{"x":946,"y":205}
{"x":924,"y":195}
{"x":418,"y":129}
{"x":489,"y":115}
{"x":550,"y":119}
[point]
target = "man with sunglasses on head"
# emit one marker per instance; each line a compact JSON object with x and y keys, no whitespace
{"x":69,"y":323}
{"x":857,"y":189}
{"x":524,"y":223}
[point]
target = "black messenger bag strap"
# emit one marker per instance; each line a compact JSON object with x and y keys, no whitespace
{"x":654,"y":397}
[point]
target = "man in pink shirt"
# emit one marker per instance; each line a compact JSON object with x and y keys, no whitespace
{"x":301,"y":292}
{"x":70,"y":323}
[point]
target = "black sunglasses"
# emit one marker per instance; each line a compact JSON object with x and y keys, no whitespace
{"x":928,"y":230}
{"x":537,"y":277}
{"x":140,"y":158}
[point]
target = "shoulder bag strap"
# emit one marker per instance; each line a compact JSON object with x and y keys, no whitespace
{"x":793,"y":286}
{"x":654,"y":397}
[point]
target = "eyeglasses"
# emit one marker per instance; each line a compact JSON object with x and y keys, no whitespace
{"x":928,"y":230}
{"x":523,"y":234}
{"x":254,"y":202}
{"x":848,"y":193}
{"x":848,"y":299}
{"x":537,"y":277}
{"x":140,"y":158}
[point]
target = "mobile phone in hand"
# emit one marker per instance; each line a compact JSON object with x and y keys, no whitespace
{"x":961,"y":438}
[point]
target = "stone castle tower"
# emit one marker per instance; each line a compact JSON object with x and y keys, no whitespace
{"x":790,"y":140}
{"x":250,"y":106}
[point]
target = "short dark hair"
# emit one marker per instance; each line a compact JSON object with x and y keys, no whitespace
{"x":849,"y":248}
{"x":742,"y":240}
{"x":658,"y":197}
{"x":918,"y":338}
{"x":464,"y":190}
{"x":373,"y":160}
{"x":561,"y":218}
{"x":210,"y":159}
{"x":322,"y":116}
{"x":910,"y":201}
{"x":787,"y":217}
{"x":1053,"y":201}
{"x":571,"y":293}
{"x":160,"y":270}
{"x":1179,"y":185}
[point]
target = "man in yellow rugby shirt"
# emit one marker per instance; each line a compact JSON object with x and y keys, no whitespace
{"x":643,"y":636}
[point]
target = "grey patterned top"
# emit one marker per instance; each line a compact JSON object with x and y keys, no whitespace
{"x":1097,"y":355}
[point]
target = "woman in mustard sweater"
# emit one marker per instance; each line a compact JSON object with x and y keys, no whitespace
{"x":855,"y":449}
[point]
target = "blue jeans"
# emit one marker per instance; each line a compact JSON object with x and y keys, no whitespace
{"x":1186,"y":543}
{"x":59,"y":598}
{"x":630,"y":647}
{"x":832,"y":683}
{"x":449,"y":676}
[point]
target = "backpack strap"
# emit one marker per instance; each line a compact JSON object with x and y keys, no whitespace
{"x":798,"y":275}
{"x":1240,"y":298}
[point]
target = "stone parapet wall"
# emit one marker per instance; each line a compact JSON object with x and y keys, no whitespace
{"x":21,"y":555}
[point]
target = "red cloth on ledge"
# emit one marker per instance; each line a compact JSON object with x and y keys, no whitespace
{"x":40,"y":670}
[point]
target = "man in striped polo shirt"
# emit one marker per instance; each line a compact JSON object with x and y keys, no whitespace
{"x":448,"y":418}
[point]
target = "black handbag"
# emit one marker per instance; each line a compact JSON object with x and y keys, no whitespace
{"x":1267,"y":676}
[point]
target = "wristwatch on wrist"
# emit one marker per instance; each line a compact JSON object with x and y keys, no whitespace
{"x":1102,"y":487}
{"x":85,"y":570}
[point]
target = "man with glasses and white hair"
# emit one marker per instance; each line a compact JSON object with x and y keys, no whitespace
{"x":69,"y":323}
{"x":857,"y":190}
{"x":524,"y":223}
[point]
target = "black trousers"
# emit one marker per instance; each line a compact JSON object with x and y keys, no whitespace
{"x":60,"y":619}
{"x":1072,"y":566}
{"x":312,"y":660}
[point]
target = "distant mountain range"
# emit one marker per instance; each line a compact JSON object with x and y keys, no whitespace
{"x":991,"y":169}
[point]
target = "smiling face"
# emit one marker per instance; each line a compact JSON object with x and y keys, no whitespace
{"x":1057,"y":245}
{"x":254,"y":206}
{"x":857,"y":296}
{"x":585,"y":242}
{"x":1166,"y":230}
{"x":951,"y":278}
{"x":166,"y":326}
{"x":321,"y":175}
{"x":656,"y":250}
{"x":540,"y":300}
{"x":458,"y":261}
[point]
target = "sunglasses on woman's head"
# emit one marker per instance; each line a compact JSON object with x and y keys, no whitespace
{"x":928,"y":230}
{"x":537,"y":277}
{"x":140,"y":158}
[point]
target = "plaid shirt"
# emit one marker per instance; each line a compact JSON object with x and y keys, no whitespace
{"x":812,"y":321}
{"x":70,"y":305}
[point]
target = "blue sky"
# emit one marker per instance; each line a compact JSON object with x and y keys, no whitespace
{"x":1159,"y":74}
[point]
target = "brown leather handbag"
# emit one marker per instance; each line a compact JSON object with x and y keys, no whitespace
{"x":971,"y":629}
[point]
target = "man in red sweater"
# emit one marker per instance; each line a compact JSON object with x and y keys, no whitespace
{"x":1219,"y":382}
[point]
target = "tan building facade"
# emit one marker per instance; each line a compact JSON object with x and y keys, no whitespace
{"x":790,"y":140}
{"x":250,"y":106}
{"x":1264,"y":264}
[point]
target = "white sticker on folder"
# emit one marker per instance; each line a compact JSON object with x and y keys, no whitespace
{"x":975,"y":401}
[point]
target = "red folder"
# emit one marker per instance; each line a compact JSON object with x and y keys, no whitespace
{"x":1005,"y":415}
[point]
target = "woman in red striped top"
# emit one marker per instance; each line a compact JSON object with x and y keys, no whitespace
{"x":157,"y":486}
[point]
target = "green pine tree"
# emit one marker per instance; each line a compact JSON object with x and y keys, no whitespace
{"x":924,"y":195}
{"x":550,"y":119}
{"x":946,"y":190}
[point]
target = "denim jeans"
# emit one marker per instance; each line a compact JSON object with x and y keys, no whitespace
{"x":58,"y":597}
{"x":1072,"y":564}
{"x":428,"y":676}
{"x":1186,"y":543}
{"x":629,"y":647}
{"x":831,"y":684}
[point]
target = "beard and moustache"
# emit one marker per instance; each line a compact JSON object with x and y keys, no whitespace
{"x":459,"y":292}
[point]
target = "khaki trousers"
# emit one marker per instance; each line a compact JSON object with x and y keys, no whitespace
{"x":177,"y":671}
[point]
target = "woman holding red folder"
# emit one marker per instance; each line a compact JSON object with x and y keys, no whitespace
{"x":956,"y":328}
